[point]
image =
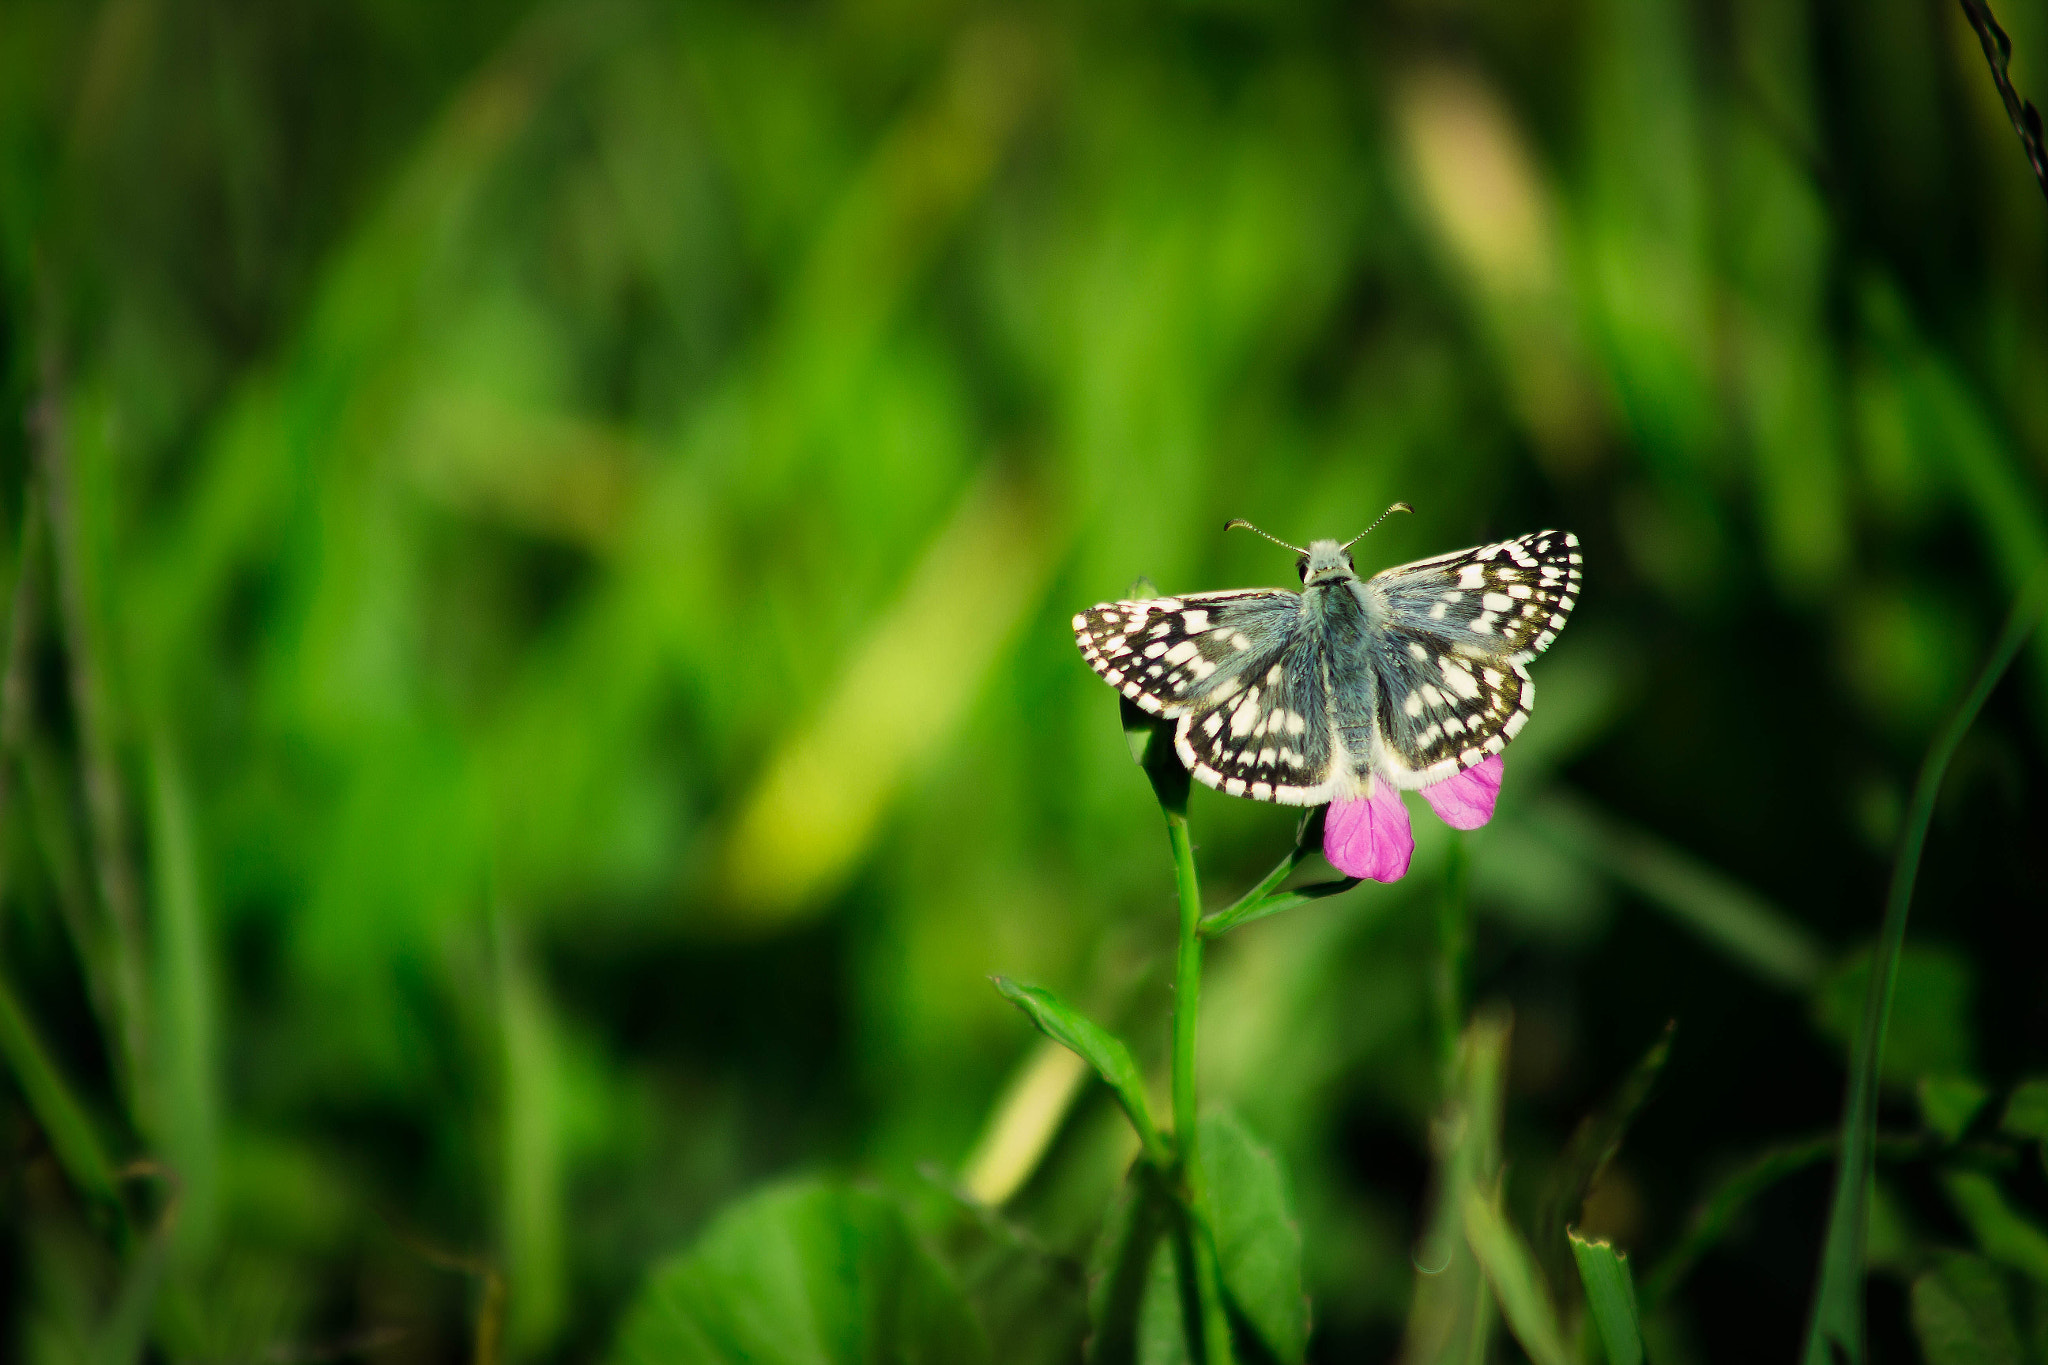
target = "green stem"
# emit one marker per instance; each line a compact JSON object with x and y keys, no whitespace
{"x":1454,"y":940}
{"x":1836,"y":1330}
{"x":1187,"y":986}
{"x":1187,"y":1003}
{"x":1266,"y":898}
{"x":1248,"y":910}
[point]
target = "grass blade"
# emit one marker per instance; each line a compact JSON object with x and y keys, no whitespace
{"x":1593,"y":1146}
{"x":1611,"y":1293}
{"x":57,"y":1110}
{"x":1517,"y":1285}
{"x":1835,"y":1331}
{"x":1450,"y":1316}
{"x":189,"y":1091}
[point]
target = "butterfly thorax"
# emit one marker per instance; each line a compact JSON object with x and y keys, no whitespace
{"x":1343,"y":605}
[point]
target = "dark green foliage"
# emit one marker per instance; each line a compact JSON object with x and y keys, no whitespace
{"x":1962,"y":1313}
{"x":1258,"y":1240}
{"x":536,"y":551}
{"x":1141,"y":1300}
{"x":1594,"y":1145}
{"x":803,"y":1274}
{"x":1141,"y":1307}
{"x":1930,"y":1032}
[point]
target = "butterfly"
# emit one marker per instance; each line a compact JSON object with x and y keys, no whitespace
{"x":1414,"y":674}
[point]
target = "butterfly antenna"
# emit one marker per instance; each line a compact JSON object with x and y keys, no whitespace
{"x":1236,"y":522}
{"x":1397,"y":507}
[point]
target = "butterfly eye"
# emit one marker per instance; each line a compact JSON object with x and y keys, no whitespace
{"x":1301,"y":568}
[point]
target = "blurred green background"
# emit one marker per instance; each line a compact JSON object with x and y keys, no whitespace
{"x":538,"y":545}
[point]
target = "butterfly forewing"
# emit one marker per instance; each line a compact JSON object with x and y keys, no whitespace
{"x":1451,"y":684}
{"x":1168,"y":653}
{"x":1505,"y":600}
{"x":1266,"y":733}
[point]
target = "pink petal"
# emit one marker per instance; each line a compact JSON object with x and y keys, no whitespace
{"x":1466,"y":801}
{"x":1369,"y":836}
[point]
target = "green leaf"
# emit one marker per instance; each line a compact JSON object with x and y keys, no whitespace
{"x":1258,"y":1240}
{"x":1611,"y":1293}
{"x":2004,"y":1233}
{"x":1027,"y":1295}
{"x":1961,"y":1315}
{"x":1245,"y":912}
{"x":1517,"y":1284}
{"x":1929,"y":1033}
{"x":2026,"y":1113}
{"x":1948,"y":1103}
{"x":187,"y":1060}
{"x":807,"y":1273}
{"x":1168,"y":1319}
{"x":1140,"y":1297}
{"x":1098,"y":1047}
{"x":1265,"y":898}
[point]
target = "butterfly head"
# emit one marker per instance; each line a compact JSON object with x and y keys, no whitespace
{"x":1325,"y":561}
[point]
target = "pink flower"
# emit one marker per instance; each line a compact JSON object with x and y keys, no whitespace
{"x":1368,"y":836}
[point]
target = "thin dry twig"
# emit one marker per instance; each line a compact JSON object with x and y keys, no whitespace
{"x":490,"y":1312}
{"x":2026,"y":119}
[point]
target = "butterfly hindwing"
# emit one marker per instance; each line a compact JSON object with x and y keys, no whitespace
{"x":1265,"y":734}
{"x":1440,"y":706}
{"x":1240,"y":672}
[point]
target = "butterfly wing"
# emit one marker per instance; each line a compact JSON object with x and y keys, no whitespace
{"x":1241,"y":672}
{"x":1447,"y":671}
